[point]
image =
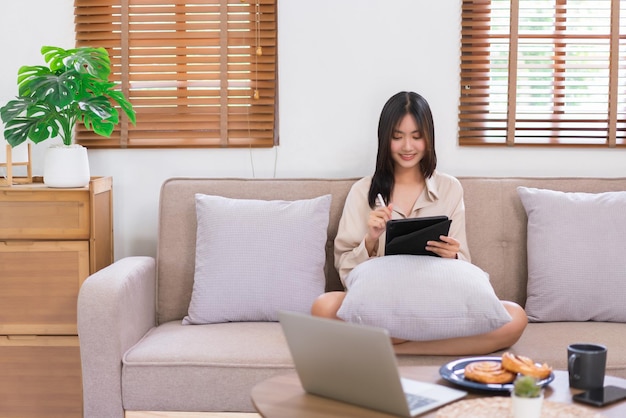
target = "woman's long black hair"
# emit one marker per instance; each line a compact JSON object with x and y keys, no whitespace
{"x":399,"y":105}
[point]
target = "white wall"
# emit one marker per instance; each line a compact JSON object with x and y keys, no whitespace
{"x":339,"y":61}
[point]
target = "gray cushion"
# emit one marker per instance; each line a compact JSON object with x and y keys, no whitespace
{"x":422,"y":298}
{"x":576,"y":263}
{"x":257,"y":257}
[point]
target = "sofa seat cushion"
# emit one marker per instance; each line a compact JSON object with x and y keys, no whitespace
{"x":165,"y":370}
{"x":547,"y":342}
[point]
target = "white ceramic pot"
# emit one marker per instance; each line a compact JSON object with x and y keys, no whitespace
{"x":66,"y":166}
{"x":526,"y":407}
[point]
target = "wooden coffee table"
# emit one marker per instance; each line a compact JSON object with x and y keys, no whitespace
{"x":282,"y":396}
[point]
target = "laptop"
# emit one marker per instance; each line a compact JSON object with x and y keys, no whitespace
{"x":356,"y":364}
{"x":410,"y":235}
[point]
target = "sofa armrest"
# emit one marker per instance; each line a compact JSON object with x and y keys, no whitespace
{"x":116,"y":307}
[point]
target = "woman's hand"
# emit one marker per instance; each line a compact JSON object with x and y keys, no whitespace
{"x":448,"y":247}
{"x":376,"y":225}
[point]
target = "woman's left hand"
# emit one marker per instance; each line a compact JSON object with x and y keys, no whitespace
{"x":448,"y":247}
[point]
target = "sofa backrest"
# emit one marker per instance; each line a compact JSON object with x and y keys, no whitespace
{"x":177,"y":228}
{"x":495,"y":217}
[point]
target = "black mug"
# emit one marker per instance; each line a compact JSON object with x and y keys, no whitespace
{"x":586,"y":364}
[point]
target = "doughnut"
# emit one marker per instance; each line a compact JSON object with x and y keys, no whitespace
{"x":488,"y":372}
{"x":524,"y":365}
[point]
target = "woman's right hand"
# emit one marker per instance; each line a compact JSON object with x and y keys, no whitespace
{"x":376,"y":225}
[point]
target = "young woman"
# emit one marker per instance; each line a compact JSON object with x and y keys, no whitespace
{"x":410,"y":186}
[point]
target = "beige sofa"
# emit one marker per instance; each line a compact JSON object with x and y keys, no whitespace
{"x":136,"y":355}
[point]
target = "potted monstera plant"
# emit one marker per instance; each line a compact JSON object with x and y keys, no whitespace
{"x":73,"y":87}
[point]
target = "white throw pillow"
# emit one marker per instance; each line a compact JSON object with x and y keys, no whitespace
{"x":422,"y":298}
{"x":257,"y":257}
{"x":576,"y":262}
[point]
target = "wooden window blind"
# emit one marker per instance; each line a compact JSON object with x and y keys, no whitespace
{"x":548,"y":72}
{"x":199,"y":73}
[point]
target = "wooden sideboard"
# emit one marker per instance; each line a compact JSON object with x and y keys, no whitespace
{"x":50,"y":241}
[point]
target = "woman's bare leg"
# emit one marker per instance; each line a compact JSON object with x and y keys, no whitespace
{"x":327,"y":304}
{"x":481,"y":344}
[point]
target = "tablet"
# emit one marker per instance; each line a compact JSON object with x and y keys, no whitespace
{"x":409,"y":236}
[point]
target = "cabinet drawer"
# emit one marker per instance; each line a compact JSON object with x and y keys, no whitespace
{"x":41,"y":377}
{"x":44,"y":214}
{"x":40,"y":281}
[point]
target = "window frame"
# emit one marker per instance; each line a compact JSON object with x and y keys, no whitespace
{"x":480,"y":125}
{"x":212,"y":99}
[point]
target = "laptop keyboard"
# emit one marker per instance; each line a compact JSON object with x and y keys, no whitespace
{"x":416,"y":401}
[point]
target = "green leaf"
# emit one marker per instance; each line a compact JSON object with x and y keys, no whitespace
{"x":15,"y":108}
{"x":93,"y":61}
{"x":99,"y":115}
{"x":126,"y":106}
{"x":37,"y":129}
{"x":54,"y":55}
{"x":95,"y":87}
{"x":56,"y":89}
{"x":98,"y":107}
{"x":99,"y":126}
{"x":27,"y":74}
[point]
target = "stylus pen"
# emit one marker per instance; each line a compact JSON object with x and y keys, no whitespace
{"x":381,"y":202}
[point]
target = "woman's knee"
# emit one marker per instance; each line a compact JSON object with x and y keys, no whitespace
{"x":518,"y":323}
{"x":327,"y":304}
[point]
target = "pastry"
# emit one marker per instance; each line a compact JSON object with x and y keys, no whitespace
{"x":524,"y":365}
{"x":488,"y":372}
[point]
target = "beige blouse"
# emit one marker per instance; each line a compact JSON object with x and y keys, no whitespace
{"x":443,"y":195}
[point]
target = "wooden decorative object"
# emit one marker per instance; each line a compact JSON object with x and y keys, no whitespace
{"x":8,"y":179}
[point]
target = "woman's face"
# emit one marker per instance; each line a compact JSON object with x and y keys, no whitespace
{"x":407,"y":145}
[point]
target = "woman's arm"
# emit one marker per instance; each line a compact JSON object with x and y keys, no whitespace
{"x":457,"y":227}
{"x":450,"y":202}
{"x":359,"y":230}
